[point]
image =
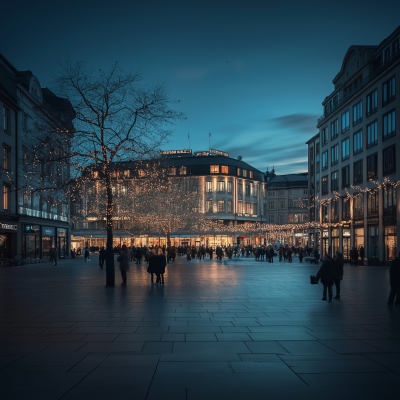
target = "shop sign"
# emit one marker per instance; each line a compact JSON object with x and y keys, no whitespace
{"x":300,"y":234}
{"x":325,"y":234}
{"x":31,"y":228}
{"x":243,"y":236}
{"x":8,"y":227}
{"x":169,"y":152}
{"x":346,"y":226}
{"x":61,"y":232}
{"x":219,"y":153}
{"x":346,"y":232}
{"x":48,"y":231}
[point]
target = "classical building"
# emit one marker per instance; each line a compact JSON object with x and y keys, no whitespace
{"x":43,"y":221}
{"x":286,"y":203}
{"x":356,"y":146}
{"x":230,"y":191}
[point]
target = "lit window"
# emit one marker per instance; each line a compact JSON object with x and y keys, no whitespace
{"x":127,"y":173}
{"x":214,"y":169}
{"x":240,"y":207}
{"x":95,"y":174}
{"x":182,"y":171}
{"x":239,"y":172}
{"x":142,"y":173}
{"x":7,"y":197}
{"x":221,"y":206}
{"x":251,"y":174}
{"x":221,"y":186}
{"x":230,"y":208}
{"x":209,"y":186}
{"x":224,"y":169}
{"x":6,"y":160}
{"x":244,"y":173}
{"x":123,"y":190}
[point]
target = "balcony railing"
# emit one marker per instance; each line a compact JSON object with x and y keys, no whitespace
{"x":351,"y":93}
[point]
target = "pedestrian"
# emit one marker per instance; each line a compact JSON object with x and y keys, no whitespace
{"x":123,"y":260}
{"x":53,"y":255}
{"x":152,"y":267}
{"x":394,"y":274}
{"x":102,"y":257}
{"x":301,"y":255}
{"x":290,"y":251}
{"x":218,"y":253}
{"x":138,"y":255}
{"x":338,"y":264}
{"x":188,"y":258}
{"x":327,"y":274}
{"x":362,"y":252}
{"x":211,"y":252}
{"x":160,"y":265}
{"x":355,"y":255}
{"x":352,"y":256}
{"x":86,"y":254}
{"x":280,"y":251}
{"x":271,"y":254}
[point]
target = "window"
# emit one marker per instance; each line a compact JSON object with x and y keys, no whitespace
{"x":372,"y":134}
{"x":271,"y":219}
{"x":311,"y":153}
{"x":358,"y":206}
{"x":389,"y":199}
{"x":240,"y":207}
{"x":357,"y":142}
{"x":214,"y":169}
{"x":345,"y":149}
{"x":209,"y":186}
{"x":124,"y":190}
{"x":209,"y":206}
{"x":334,"y":129}
{"x":389,"y":125}
{"x":372,"y":166}
{"x":25,"y":121}
{"x":335,"y":181}
{"x":255,"y":190}
{"x":230,"y":187}
{"x":281,"y":219}
{"x":172,"y":171}
{"x":325,"y":184}
{"x":324,"y":136}
{"x":247,"y":208}
{"x":389,"y":160}
{"x":247,"y":190}
{"x":6,"y":120}
{"x":271,"y":194}
{"x":7,"y":197}
{"x":373,"y":203}
{"x":182,"y":171}
{"x":372,"y":103}
{"x":291,"y":203}
{"x":345,"y":121}
{"x":305,"y":191}
{"x":255,"y":208}
{"x":282,"y":193}
{"x":127,"y":173}
{"x":335,"y":154}
{"x":239,"y":172}
{"x":317,"y":148}
{"x":221,"y":206}
{"x":25,"y":158}
{"x":357,"y":113}
{"x":324,"y":210}
{"x":6,"y":160}
{"x":224,"y":169}
{"x":271,"y":205}
{"x":334,"y":211}
{"x":114,"y":190}
{"x":282,"y":204}
{"x":358,"y":172}
{"x":251,"y":174}
{"x":221,"y":187}
{"x":325,"y":160}
{"x":230,"y":206}
{"x":240,"y":188}
{"x":345,"y":209}
{"x":244,"y":173}
{"x":388,"y":91}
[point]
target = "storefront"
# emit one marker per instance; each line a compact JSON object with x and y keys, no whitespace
{"x":390,"y":244}
{"x":325,"y":243}
{"x":48,"y":240}
{"x":358,"y":237}
{"x":373,"y":244}
{"x":335,"y":240}
{"x":62,"y":242}
{"x":346,"y":242}
{"x":8,"y":238}
{"x":31,"y":241}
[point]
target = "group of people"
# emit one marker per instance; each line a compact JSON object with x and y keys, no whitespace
{"x":355,"y":254}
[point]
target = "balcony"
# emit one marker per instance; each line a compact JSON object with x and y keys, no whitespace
{"x":349,"y":95}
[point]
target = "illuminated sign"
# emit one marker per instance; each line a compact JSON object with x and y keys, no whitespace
{"x":220,"y":153}
{"x":325,"y":234}
{"x":9,"y":227}
{"x":169,"y":152}
{"x":201,"y":153}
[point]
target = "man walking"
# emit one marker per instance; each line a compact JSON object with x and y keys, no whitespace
{"x":362,"y":252}
{"x":394,"y":273}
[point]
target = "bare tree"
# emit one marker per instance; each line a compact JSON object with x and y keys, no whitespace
{"x":117,"y":118}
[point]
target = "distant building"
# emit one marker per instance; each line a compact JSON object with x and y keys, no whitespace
{"x":358,"y":142}
{"x":287,"y":201}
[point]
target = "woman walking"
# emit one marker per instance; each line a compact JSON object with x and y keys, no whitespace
{"x":123,"y":260}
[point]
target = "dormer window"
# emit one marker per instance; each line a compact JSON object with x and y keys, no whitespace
{"x":35,"y":92}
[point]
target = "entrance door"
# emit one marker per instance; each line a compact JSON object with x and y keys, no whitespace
{"x":390,"y":247}
{"x":4,"y":246}
{"x":325,"y":247}
{"x":346,"y":248}
{"x":47,"y":244}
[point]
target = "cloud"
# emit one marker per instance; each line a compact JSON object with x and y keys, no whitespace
{"x":191,"y":74}
{"x":297,"y":122}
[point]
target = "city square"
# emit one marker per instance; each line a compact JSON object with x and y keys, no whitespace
{"x":229,"y":329}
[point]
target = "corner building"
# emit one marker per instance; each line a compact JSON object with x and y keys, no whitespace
{"x":357,"y":143}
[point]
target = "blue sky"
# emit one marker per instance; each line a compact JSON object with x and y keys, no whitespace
{"x":252,"y":73}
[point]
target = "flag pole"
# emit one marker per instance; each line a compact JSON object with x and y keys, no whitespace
{"x":189,"y":139}
{"x":209,"y":141}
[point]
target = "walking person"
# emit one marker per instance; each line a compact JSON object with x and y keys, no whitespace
{"x":394,"y":274}
{"x":362,"y":252}
{"x":301,"y":255}
{"x":138,"y":255}
{"x":123,"y":260}
{"x":102,"y":257}
{"x":271,"y":254}
{"x":53,"y":255}
{"x":355,"y":255}
{"x":160,"y":264}
{"x":338,"y":264}
{"x":152,"y":267}
{"x":327,"y":274}
{"x":86,"y":254}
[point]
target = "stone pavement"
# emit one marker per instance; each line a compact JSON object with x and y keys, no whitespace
{"x":232,"y":330}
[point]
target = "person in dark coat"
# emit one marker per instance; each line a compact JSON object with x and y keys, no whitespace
{"x":211,"y":252}
{"x":338,"y":264}
{"x":123,"y":260}
{"x":301,"y":255}
{"x":362,"y":252}
{"x":102,"y":257}
{"x":138,"y":255}
{"x":219,"y":253}
{"x":271,"y":254}
{"x":327,"y":275}
{"x":355,"y":256}
{"x":160,"y":264}
{"x":394,"y":274}
{"x":152,"y":267}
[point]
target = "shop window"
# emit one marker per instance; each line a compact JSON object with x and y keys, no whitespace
{"x":345,"y":209}
{"x":373,"y":245}
{"x":389,"y":199}
{"x":182,"y":171}
{"x":372,"y":166}
{"x":221,"y":206}
{"x":390,"y":243}
{"x":224,"y":169}
{"x":221,"y":187}
{"x":214,"y":169}
{"x":358,"y":206}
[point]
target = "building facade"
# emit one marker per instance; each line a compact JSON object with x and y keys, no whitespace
{"x":43,"y":221}
{"x":230,"y":192}
{"x":355,"y":152}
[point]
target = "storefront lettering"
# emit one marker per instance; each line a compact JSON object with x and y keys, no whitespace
{"x":9,"y":227}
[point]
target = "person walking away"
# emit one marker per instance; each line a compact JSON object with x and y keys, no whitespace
{"x":352,"y":256}
{"x":271,"y":254}
{"x":355,"y":254}
{"x":327,"y":274}
{"x":188,"y":254}
{"x":301,"y":255}
{"x":102,"y":257}
{"x":338,"y":264}
{"x":160,"y":264}
{"x":362,"y":252}
{"x":86,"y":254}
{"x":123,"y":260}
{"x":290,"y":255}
{"x":53,"y":255}
{"x":394,"y":273}
{"x":152,"y":267}
{"x":280,"y":251}
{"x":138,"y":255}
{"x":211,"y":253}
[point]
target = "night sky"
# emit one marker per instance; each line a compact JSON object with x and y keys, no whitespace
{"x":254,"y":74}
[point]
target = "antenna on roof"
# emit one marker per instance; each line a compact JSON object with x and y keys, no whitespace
{"x":239,"y":158}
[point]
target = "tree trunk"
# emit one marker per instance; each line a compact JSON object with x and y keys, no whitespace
{"x":110,"y":270}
